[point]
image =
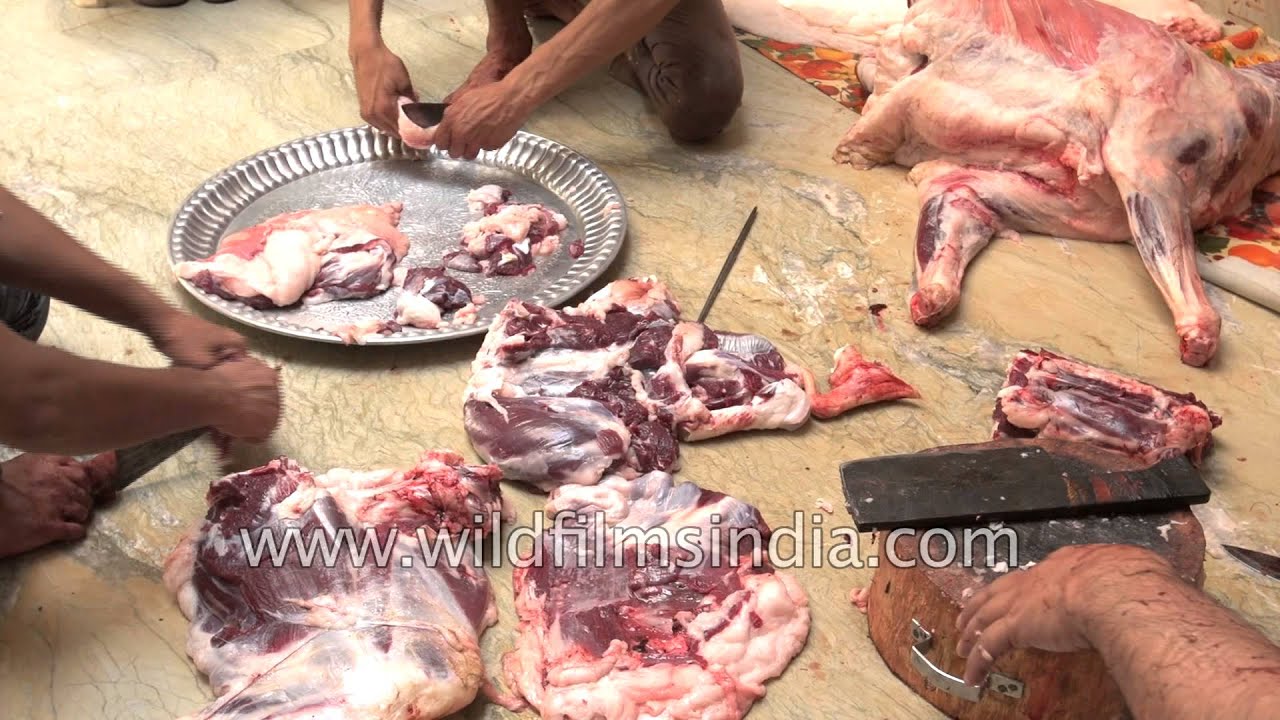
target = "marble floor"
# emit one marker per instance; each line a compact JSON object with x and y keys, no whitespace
{"x":112,"y":116}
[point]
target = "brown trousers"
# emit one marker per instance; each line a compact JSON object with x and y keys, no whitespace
{"x":688,"y":66}
{"x":23,"y":311}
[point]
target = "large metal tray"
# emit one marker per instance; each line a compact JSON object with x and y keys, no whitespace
{"x":361,"y":165}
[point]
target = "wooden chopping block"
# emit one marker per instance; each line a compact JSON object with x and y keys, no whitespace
{"x":911,"y":614}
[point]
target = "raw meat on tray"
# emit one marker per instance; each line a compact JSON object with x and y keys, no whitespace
{"x":508,"y":236}
{"x":487,"y":199}
{"x":396,"y":637}
{"x":428,"y":299}
{"x":428,"y":294}
{"x":1070,"y":118}
{"x":1051,"y":396}
{"x":688,"y":626}
{"x":564,"y":396}
{"x":310,"y":255}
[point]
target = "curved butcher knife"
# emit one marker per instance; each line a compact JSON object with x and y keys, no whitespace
{"x":134,"y":462}
{"x":424,"y":114}
{"x":728,"y":265}
{"x":1268,"y":565}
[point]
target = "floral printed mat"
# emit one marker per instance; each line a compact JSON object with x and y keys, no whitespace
{"x":1253,"y":237}
{"x":831,"y":71}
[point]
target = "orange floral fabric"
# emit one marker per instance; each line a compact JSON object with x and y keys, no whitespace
{"x":1253,"y":236}
{"x":833,"y":72}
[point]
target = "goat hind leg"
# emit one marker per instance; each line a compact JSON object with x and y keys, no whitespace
{"x":955,"y":224}
{"x":1165,"y":241}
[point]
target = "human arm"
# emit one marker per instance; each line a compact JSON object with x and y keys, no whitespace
{"x":380,"y":75}
{"x":38,"y":255}
{"x":486,"y":117}
{"x":56,"y":402}
{"x":507,"y":45}
{"x":1175,"y":653}
{"x":48,"y":498}
{"x":365,"y":23}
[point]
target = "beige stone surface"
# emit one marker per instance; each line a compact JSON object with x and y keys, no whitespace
{"x":1258,"y":12}
{"x":112,"y":116}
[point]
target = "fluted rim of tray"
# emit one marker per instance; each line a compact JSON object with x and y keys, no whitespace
{"x":204,"y":216}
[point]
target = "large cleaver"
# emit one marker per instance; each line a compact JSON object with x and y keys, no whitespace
{"x":1011,"y":480}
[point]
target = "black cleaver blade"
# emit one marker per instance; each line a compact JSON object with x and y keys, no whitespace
{"x":1011,"y":480}
{"x":424,"y":114}
{"x":134,"y":462}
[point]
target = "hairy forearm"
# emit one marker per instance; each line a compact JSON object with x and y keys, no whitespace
{"x":56,"y":402}
{"x":38,"y":255}
{"x":366,"y":24}
{"x":1177,"y":654}
{"x":604,"y":30}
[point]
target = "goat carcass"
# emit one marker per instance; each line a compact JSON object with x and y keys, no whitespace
{"x":310,"y":255}
{"x":1183,"y":19}
{"x":1047,"y":395}
{"x":390,"y":637}
{"x":565,"y":396}
{"x":856,"y":26}
{"x":651,"y":599}
{"x":1070,"y":118}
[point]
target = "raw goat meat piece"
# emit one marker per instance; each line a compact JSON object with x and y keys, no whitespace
{"x":856,"y":381}
{"x":1070,"y":118}
{"x":507,"y":237}
{"x":1051,"y":396}
{"x":487,"y":199}
{"x":427,"y":294}
{"x":394,"y":637}
{"x":309,"y":255}
{"x":689,"y":625}
{"x":357,"y":333}
{"x":564,"y":396}
{"x":860,"y":597}
{"x":412,"y":134}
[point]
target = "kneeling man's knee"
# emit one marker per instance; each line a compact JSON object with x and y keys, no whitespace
{"x":703,"y":103}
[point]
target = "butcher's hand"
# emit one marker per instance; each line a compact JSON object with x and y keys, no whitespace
{"x":252,"y":404}
{"x":481,"y":118}
{"x":43,"y":499}
{"x":195,"y":343}
{"x":381,"y":79}
{"x":1043,"y":607}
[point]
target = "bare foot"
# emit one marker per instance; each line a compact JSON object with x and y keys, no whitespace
{"x":45,"y":499}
